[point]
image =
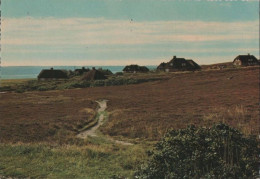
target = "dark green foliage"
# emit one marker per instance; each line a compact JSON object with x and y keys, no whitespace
{"x":98,"y":83}
{"x":217,"y":152}
{"x":119,"y":73}
{"x":35,"y":85}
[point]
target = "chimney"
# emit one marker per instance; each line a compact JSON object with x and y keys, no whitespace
{"x":51,"y":68}
{"x":93,"y":68}
{"x":174,"y":57}
{"x":248,"y":54}
{"x":83,"y":68}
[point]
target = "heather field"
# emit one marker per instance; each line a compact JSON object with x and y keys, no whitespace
{"x":38,"y":129}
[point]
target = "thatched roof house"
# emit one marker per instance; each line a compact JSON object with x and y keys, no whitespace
{"x":245,"y":60}
{"x":81,"y":71}
{"x":51,"y":74}
{"x":162,"y":66}
{"x":94,"y":75}
{"x":135,"y":69}
{"x":105,"y":72}
{"x":179,"y":64}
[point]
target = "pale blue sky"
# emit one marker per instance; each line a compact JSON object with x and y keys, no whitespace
{"x":119,"y":32}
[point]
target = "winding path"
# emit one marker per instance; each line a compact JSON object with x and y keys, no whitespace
{"x":92,"y":131}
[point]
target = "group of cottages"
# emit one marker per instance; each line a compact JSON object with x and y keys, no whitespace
{"x":175,"y":64}
{"x":87,"y":74}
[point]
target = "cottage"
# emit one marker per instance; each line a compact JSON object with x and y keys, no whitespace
{"x":94,"y":75}
{"x":105,"y":72}
{"x":179,"y":64}
{"x":135,"y":69}
{"x":163,"y":66}
{"x":81,"y":71}
{"x":245,"y":60}
{"x":51,"y":74}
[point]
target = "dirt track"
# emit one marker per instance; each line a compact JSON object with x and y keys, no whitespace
{"x":92,"y":131}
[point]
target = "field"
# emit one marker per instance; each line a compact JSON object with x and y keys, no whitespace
{"x":43,"y":125}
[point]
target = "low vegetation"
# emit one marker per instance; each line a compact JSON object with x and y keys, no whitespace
{"x":44,"y":117}
{"x":38,"y":129}
{"x":77,"y":82}
{"x":202,"y":98}
{"x":216,"y":152}
{"x":96,"y":159}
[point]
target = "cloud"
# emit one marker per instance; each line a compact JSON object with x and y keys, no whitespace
{"x":114,"y":62}
{"x":100,"y":31}
{"x":99,"y":41}
{"x":125,"y":49}
{"x":83,"y":62}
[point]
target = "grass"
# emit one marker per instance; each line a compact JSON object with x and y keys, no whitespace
{"x":10,"y":82}
{"x":143,"y":111}
{"x":38,"y":128}
{"x":48,"y":117}
{"x":148,"y":110}
{"x":90,"y":161}
{"x":239,"y":116}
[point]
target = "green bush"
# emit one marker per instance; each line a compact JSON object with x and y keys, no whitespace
{"x":35,"y":85}
{"x":43,"y":88}
{"x":98,"y":83}
{"x":20,"y":90}
{"x":217,"y":152}
{"x":114,"y":81}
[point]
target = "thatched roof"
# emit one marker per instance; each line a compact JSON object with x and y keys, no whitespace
{"x":162,"y":66}
{"x":247,"y":59}
{"x":105,"y":71}
{"x":193,"y":64}
{"x":81,"y":71}
{"x":94,"y":75}
{"x":53,"y":74}
{"x":135,"y":68}
{"x":176,"y":64}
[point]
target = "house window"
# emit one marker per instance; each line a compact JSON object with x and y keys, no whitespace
{"x":183,"y":64}
{"x":171,"y":64}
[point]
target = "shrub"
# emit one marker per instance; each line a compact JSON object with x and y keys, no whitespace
{"x":132,"y":81}
{"x":70,"y":85}
{"x":114,"y":81}
{"x":119,"y":73}
{"x":98,"y":83}
{"x":20,"y":90}
{"x":217,"y":152}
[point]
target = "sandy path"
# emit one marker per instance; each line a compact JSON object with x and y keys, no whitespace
{"x":92,"y":131}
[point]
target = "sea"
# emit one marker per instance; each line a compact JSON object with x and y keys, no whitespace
{"x":28,"y":72}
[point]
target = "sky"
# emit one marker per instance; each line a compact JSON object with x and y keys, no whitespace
{"x":123,"y":32}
